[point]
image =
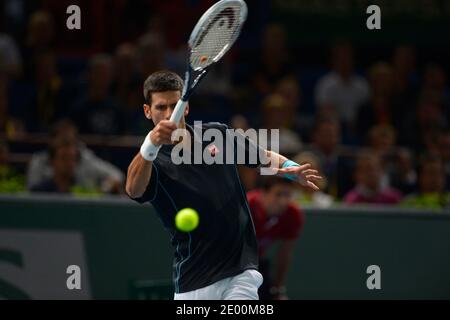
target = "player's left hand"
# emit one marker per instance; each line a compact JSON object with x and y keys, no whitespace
{"x":303,"y":174}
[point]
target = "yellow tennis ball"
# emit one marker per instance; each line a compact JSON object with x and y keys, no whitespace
{"x":186,"y":220}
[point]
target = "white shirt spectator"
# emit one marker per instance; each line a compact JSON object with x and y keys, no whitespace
{"x":345,"y":96}
{"x":91,"y":172}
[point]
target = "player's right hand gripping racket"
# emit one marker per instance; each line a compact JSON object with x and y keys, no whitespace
{"x":213,"y":35}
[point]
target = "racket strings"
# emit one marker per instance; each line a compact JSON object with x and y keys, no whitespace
{"x":216,"y":37}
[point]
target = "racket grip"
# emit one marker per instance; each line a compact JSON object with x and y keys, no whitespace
{"x":178,"y":112}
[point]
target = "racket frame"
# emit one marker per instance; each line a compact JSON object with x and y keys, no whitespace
{"x":193,"y":77}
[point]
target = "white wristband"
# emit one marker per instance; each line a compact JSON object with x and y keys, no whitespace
{"x":148,"y":150}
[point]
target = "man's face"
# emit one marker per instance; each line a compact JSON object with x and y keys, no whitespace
{"x":368,"y":173}
{"x":343,"y":60}
{"x":277,"y":198}
{"x":162,"y":105}
{"x":70,"y":132}
{"x":327,"y":137}
{"x":65,"y":161}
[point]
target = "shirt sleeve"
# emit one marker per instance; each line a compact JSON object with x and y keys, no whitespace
{"x":151,"y":192}
{"x":38,"y":169}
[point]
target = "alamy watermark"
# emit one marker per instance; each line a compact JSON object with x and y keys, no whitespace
{"x":373,"y":282}
{"x":73,"y":22}
{"x":228,"y":146}
{"x":374,"y":20}
{"x":73,"y":281}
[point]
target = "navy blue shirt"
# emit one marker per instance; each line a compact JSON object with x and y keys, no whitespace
{"x":224,"y":243}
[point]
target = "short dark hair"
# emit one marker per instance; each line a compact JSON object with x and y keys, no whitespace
{"x":62,"y":126}
{"x":364,"y":155}
{"x":161,"y":81}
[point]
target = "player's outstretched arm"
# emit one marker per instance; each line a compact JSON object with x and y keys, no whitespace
{"x":291,"y":170}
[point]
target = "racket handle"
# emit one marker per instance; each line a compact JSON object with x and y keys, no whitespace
{"x":178,"y":112}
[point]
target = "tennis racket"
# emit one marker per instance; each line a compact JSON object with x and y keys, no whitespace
{"x":212,"y":37}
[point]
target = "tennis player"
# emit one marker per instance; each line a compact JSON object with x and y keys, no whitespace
{"x":219,"y":259}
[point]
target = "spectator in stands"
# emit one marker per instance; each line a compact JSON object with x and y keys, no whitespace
{"x":435,"y":80}
{"x":303,"y":195}
{"x":379,"y":110}
{"x":402,"y":175}
{"x":48,"y":97}
{"x":422,"y":125}
{"x":91,"y":172}
{"x":276,"y":218}
{"x":342,"y":87}
{"x":382,"y":143}
{"x":289,"y":88}
{"x":63,"y":158}
{"x":278,"y":115}
{"x":326,"y":139}
{"x":444,"y":151}
{"x":40,"y":38}
{"x":125,"y":74}
{"x":404,"y":67}
{"x":98,"y":112}
{"x":151,"y":54}
{"x":431,"y":193}
{"x":127,"y":88}
{"x":275,"y":60}
{"x":369,"y":188}
{"x":405,"y":80}
{"x":41,"y":31}
{"x":382,"y":140}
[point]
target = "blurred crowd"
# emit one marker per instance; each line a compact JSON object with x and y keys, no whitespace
{"x":379,"y":133}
